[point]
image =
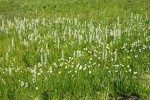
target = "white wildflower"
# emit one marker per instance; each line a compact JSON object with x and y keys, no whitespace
{"x":89,"y":72}
{"x":135,"y":73}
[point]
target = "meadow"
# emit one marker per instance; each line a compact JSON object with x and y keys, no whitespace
{"x":74,"y":49}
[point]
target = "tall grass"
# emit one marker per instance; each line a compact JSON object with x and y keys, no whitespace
{"x":65,"y":58}
{"x":75,"y":49}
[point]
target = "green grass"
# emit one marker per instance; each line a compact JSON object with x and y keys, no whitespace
{"x":74,"y":49}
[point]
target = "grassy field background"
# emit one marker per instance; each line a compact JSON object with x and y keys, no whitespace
{"x":74,"y":49}
{"x":96,"y":9}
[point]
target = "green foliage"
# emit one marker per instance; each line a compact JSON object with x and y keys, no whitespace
{"x":74,"y":49}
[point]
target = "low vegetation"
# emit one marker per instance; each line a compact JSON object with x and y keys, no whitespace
{"x":74,"y":49}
